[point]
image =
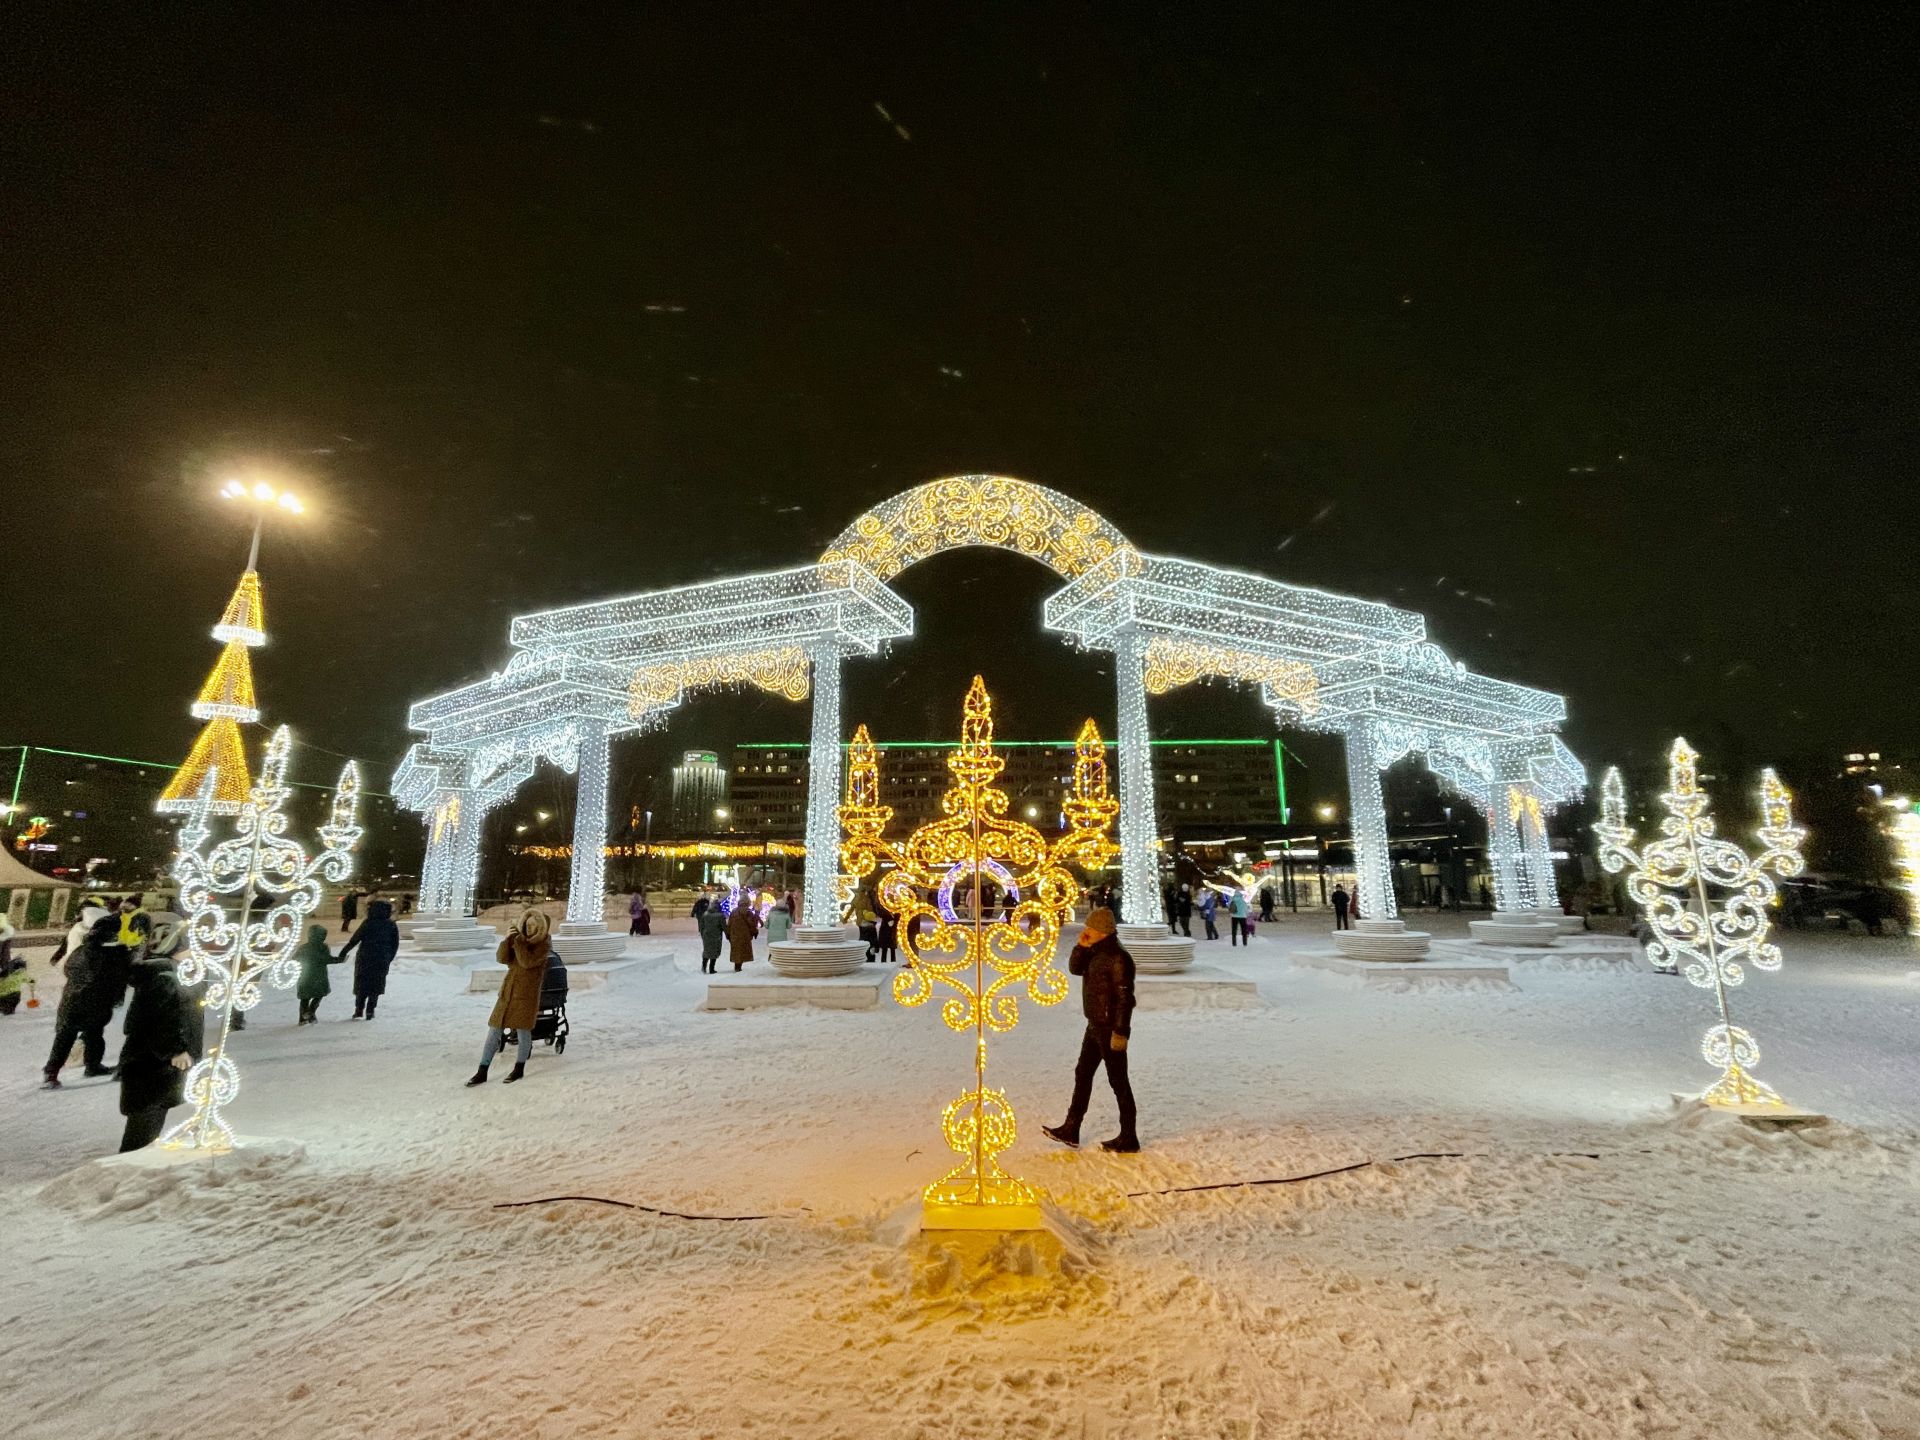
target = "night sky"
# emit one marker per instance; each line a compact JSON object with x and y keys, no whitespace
{"x":1593,"y":343}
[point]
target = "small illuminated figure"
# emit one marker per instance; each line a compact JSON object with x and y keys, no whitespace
{"x":1671,"y":880}
{"x":976,"y":956}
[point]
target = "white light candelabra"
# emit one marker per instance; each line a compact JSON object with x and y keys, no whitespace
{"x":277,"y":887}
{"x":1671,"y":880}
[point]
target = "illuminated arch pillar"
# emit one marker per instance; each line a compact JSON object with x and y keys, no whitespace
{"x":1140,"y":902}
{"x":587,"y":879}
{"x":436,"y":870}
{"x":1536,"y":859}
{"x":463,"y":861}
{"x":1506,"y":855}
{"x":1372,"y":862}
{"x":820,"y":900}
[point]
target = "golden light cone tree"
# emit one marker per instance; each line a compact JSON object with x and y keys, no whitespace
{"x":977,"y":964}
{"x":226,"y":702}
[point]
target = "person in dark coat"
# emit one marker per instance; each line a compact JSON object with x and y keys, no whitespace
{"x":164,"y":1031}
{"x":1341,"y":902}
{"x":525,"y":952}
{"x":96,"y":980}
{"x":1266,"y":904}
{"x":713,"y":933}
{"x":742,"y":925}
{"x":640,"y":913}
{"x":1183,"y":911}
{"x":1106,"y":999}
{"x":350,"y":910}
{"x":377,"y":941}
{"x":314,"y":958}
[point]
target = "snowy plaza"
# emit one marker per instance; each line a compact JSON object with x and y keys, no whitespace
{"x":1581,"y":1262}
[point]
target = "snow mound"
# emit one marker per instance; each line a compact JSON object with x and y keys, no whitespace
{"x":146,"y":1182}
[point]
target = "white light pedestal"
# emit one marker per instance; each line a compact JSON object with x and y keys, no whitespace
{"x":814,"y":952}
{"x":407,"y":924}
{"x":588,"y":942}
{"x":1563,"y":923}
{"x":1387,"y":941}
{"x":456,"y":935}
{"x":1523,"y":928}
{"x":1156,"y":950}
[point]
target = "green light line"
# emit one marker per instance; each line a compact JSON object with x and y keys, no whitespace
{"x":1280,"y":777}
{"x":20,"y":773}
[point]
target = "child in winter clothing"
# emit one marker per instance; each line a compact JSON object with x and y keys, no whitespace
{"x":314,"y":958}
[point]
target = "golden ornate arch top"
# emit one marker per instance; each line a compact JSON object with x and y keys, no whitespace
{"x":962,"y":510}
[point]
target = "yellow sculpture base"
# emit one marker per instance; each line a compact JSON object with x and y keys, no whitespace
{"x":945,"y":1215}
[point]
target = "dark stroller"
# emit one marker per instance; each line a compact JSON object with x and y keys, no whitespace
{"x":550,"y":1024}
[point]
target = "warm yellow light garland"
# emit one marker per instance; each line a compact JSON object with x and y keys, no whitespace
{"x":782,"y":670}
{"x":1172,"y":663}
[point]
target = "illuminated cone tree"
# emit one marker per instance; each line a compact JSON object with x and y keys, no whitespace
{"x":226,"y":702}
{"x":277,"y":887}
{"x":976,"y":963}
{"x":1672,"y":880}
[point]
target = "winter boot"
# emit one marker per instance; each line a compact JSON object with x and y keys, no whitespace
{"x":372,"y":1005}
{"x":1068,"y":1135}
{"x":479,"y":1077}
{"x":96,"y":1070}
{"x":1122,"y":1145}
{"x":519,"y":1072}
{"x":359,"y":1013}
{"x":51,"y":1082}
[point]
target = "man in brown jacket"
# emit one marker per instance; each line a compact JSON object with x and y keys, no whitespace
{"x":1106,"y":999}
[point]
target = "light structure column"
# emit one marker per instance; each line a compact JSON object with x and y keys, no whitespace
{"x":1537,"y":860}
{"x":821,"y":946}
{"x":1372,"y":860}
{"x":821,"y":900}
{"x":1140,"y":901}
{"x":1514,"y":921}
{"x":436,"y":870}
{"x":587,"y":882}
{"x":463,"y":863}
{"x":1379,"y":936}
{"x":583,"y":937}
{"x":1144,"y":930}
{"x":449,"y":875}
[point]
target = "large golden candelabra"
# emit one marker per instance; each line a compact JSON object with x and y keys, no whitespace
{"x":1669,"y":880}
{"x":978,"y":963}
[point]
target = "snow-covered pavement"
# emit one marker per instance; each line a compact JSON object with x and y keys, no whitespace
{"x":1579,"y":1264}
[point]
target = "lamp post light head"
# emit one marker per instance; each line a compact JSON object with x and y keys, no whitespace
{"x":1326,"y":812}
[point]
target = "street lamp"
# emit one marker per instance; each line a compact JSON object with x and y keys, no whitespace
{"x":1326,"y":812}
{"x":263,"y":498}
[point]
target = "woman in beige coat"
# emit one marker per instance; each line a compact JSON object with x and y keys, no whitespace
{"x":524,"y":952}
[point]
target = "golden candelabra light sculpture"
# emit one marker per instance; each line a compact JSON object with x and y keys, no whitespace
{"x":1670,"y":881}
{"x":978,"y":964}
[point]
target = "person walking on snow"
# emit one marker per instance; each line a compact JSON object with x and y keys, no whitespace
{"x":1184,"y":907}
{"x":742,"y":926}
{"x":525,"y":953}
{"x":1106,"y":999}
{"x":164,"y":1036}
{"x":378,"y":941}
{"x":13,"y":973}
{"x":1237,"y":913}
{"x":713,"y":933}
{"x":350,"y":910}
{"x":1341,"y":901}
{"x":1209,"y":906}
{"x":640,"y":913}
{"x":314,"y":958}
{"x":96,"y":979}
{"x":779,"y":922}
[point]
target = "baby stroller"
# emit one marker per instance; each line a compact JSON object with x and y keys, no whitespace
{"x":550,"y":1024}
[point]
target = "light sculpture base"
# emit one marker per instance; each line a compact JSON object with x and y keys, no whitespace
{"x":1563,"y":923}
{"x":456,"y":935}
{"x":1013,"y":1215}
{"x":1156,"y":950}
{"x":587,"y":942}
{"x":814,"y":952}
{"x":1382,"y":940}
{"x":1514,"y":927}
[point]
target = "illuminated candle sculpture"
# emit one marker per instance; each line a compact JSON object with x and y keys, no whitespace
{"x":1671,"y":880}
{"x":978,"y":964}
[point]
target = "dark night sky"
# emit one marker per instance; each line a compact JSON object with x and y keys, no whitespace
{"x":1593,"y":342}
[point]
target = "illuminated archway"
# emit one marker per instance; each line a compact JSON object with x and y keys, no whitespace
{"x":997,"y":511}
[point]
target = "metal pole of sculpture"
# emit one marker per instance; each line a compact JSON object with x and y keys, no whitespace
{"x":1670,"y":881}
{"x":981,"y":961}
{"x":260,"y":865}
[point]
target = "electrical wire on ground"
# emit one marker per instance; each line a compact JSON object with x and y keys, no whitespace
{"x":1337,"y":1170}
{"x":628,"y":1205}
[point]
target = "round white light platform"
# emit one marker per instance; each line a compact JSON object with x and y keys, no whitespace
{"x":456,"y":934}
{"x":812,"y":952}
{"x":1383,"y":940}
{"x":588,"y":942}
{"x":1514,"y":927}
{"x":1563,"y":923}
{"x":1155,"y":949}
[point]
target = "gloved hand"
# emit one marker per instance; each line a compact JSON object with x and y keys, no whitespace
{"x":1119,"y":1041}
{"x":182,"y":1061}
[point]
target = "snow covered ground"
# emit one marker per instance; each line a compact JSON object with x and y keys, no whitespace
{"x":1588,"y":1266}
